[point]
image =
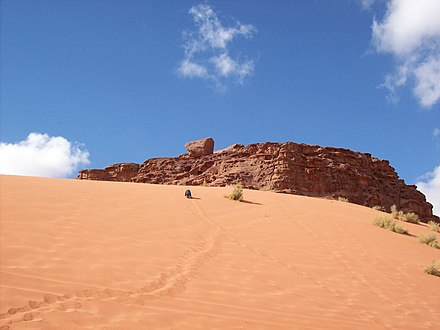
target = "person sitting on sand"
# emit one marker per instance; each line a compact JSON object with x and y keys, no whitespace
{"x":188,"y":193}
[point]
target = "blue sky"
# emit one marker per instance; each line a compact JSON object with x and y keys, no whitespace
{"x":100,"y":82}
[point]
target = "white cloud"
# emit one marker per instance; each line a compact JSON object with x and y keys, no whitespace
{"x":394,"y":81}
{"x":431,"y":188}
{"x":410,"y":32}
{"x":208,"y":49}
{"x":407,"y":25}
{"x":42,"y":155}
{"x":211,"y":30}
{"x":367,"y":4}
{"x":190,"y":69}
{"x":427,"y":77}
{"x":224,"y":64}
{"x":436,"y":132}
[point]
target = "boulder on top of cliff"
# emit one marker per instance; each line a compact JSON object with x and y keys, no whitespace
{"x":200,"y":148}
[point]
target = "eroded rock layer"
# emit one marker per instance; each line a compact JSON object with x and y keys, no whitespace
{"x":281,"y":167}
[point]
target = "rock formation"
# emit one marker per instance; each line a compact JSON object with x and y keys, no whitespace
{"x":124,"y":172}
{"x":281,"y":167}
{"x":200,"y":148}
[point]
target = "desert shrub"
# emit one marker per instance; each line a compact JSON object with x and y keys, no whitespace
{"x":394,"y":212}
{"x":343,"y":199}
{"x":399,"y":230}
{"x":383,"y":222}
{"x":433,"y":269}
{"x":408,"y":217}
{"x":434,"y":226}
{"x":430,"y":240}
{"x":390,"y":224}
{"x":378,"y":208}
{"x":402,"y":216}
{"x":237,"y":193}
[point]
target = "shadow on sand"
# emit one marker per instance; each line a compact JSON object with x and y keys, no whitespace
{"x":249,"y":202}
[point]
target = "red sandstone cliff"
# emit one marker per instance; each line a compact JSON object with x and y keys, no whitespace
{"x":124,"y":172}
{"x":281,"y":167}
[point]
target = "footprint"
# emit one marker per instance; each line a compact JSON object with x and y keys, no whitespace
{"x":71,"y":305}
{"x":50,"y":298}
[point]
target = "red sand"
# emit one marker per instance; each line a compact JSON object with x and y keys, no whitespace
{"x":103,"y":255}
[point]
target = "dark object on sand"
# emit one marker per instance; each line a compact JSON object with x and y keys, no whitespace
{"x":188,"y":193}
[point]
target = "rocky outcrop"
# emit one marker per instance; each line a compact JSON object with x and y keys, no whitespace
{"x":200,"y":148}
{"x":282,"y":167}
{"x":124,"y":172}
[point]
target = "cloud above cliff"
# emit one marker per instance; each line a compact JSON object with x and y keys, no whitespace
{"x":42,"y":155}
{"x":430,"y":186}
{"x":410,"y":33}
{"x":208,"y":51}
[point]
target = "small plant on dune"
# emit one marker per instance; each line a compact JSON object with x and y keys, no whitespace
{"x":399,"y":230}
{"x":402,"y":216}
{"x":378,"y":208}
{"x":408,"y":217}
{"x":433,"y":269}
{"x":237,"y":193}
{"x":430,"y":240}
{"x":383,"y":222}
{"x":394,"y":212}
{"x":390,"y":224}
{"x":343,"y":199}
{"x":434,"y":226}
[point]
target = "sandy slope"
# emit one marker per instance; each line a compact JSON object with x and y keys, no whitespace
{"x":101,"y":255}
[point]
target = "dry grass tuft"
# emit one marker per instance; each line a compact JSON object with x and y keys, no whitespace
{"x":237,"y":193}
{"x":390,"y":224}
{"x":430,"y":240}
{"x":433,"y":269}
{"x":434,"y":226}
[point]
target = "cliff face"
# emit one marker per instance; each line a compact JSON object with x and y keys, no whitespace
{"x":124,"y":172}
{"x":281,"y":167}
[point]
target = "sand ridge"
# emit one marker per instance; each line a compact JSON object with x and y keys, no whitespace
{"x":103,"y":255}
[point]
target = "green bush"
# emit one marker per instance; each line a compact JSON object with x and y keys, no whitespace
{"x":430,"y":240}
{"x":237,"y":193}
{"x":390,"y":224}
{"x":378,"y":208}
{"x":343,"y":199}
{"x":434,"y":226}
{"x":433,"y":269}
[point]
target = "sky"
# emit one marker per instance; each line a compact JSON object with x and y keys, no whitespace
{"x":89,"y":83}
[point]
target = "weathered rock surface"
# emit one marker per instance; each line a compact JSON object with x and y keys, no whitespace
{"x":200,"y":148}
{"x":124,"y":172}
{"x":281,"y":167}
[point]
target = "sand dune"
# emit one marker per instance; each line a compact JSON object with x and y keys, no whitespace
{"x":103,"y":255}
